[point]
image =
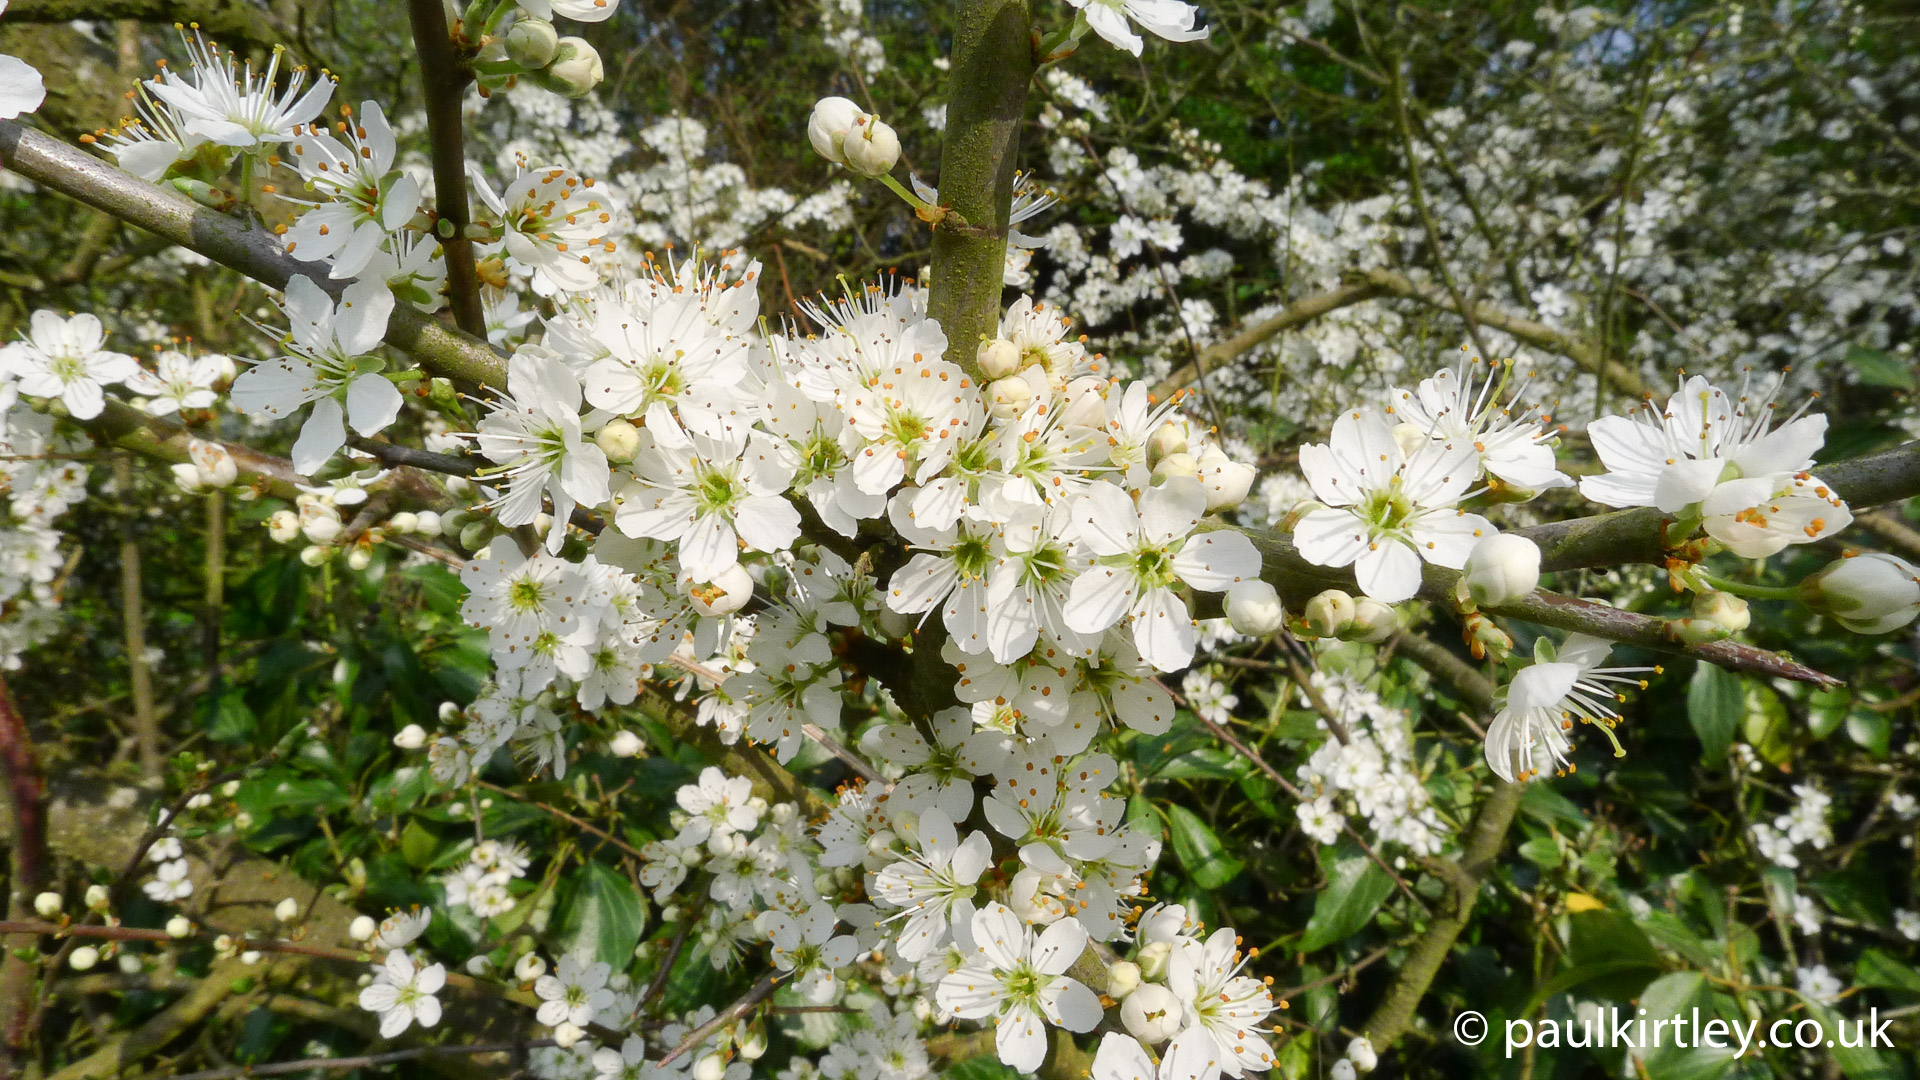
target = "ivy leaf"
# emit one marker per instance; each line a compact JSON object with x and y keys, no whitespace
{"x":1355,"y":890}
{"x":1200,"y":851}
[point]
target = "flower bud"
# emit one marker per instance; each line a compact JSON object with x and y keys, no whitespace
{"x":287,"y":910}
{"x":243,"y":821}
{"x":1373,"y":621}
{"x":1152,"y":1014}
{"x":426,"y":524}
{"x":1173,"y":465}
{"x":411,"y":737}
{"x":216,"y":465}
{"x":1153,"y":958}
{"x":475,"y":535}
{"x":1330,"y":613}
{"x":362,"y":928}
{"x":1868,"y":594}
{"x":833,"y":118}
{"x":1034,"y":906}
{"x":283,"y":526}
{"x":618,"y":440}
{"x":872,"y":148}
{"x":1008,"y":397}
{"x":99,"y":897}
{"x":998,"y":358}
{"x":48,"y":905}
{"x":314,"y":555}
{"x":751,"y":1042}
{"x":1360,"y":1051}
{"x":179,"y":926}
{"x":575,"y":70}
{"x":1484,"y":636}
{"x":1342,"y":1070}
{"x":320,"y":523}
{"x":1502,"y":568}
{"x":1122,"y":979}
{"x":567,"y":1034}
{"x":83,"y":958}
{"x":1724,"y":610}
{"x":529,"y":967}
{"x":1411,"y":438}
{"x":360,"y":558}
{"x":1226,"y":480}
{"x":625,"y":744}
{"x":532,"y":43}
{"x":1168,"y":438}
{"x":1254,"y":608}
{"x":711,"y":1066}
{"x":1086,"y":403}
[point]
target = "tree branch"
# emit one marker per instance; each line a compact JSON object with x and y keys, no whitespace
{"x":222,"y":18}
{"x":443,"y":81}
{"x":986,"y":97}
{"x":1297,"y":313}
{"x":231,"y":242}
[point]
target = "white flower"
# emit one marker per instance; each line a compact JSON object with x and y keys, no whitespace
{"x":1502,"y":567}
{"x":331,"y":346}
{"x":912,"y":418}
{"x":1907,"y":923}
{"x":1224,"y":1010}
{"x":21,"y":90}
{"x":1121,"y":1057}
{"x":63,"y":358}
{"x":805,"y":945}
{"x":223,"y":101}
{"x":1450,"y":407}
{"x":179,"y":382}
{"x":524,"y":602}
{"x":833,"y":119}
{"x":401,"y":928}
{"x":403,"y":994}
{"x":533,"y":434}
{"x":1818,"y":984}
{"x":936,"y":887}
{"x":1387,"y":509}
{"x":627,"y":1063}
{"x":708,"y":498}
{"x":720,"y":806}
{"x":1871,"y":593}
{"x":553,"y":224}
{"x":1545,"y":700}
{"x":1320,"y":820}
{"x":1016,"y":980}
{"x":586,"y":11}
{"x":170,"y":882}
{"x":1140,"y":555}
{"x":574,"y":993}
{"x":366,"y":199}
{"x":1170,"y":19}
{"x":1724,"y":455}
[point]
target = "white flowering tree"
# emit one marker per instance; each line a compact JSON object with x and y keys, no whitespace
{"x":655,"y":668}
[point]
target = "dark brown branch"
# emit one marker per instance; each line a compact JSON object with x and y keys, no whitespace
{"x":27,"y":804}
{"x":443,"y":82}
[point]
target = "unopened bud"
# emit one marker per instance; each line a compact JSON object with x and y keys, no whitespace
{"x":360,"y":557}
{"x":1254,"y":608}
{"x":99,"y":897}
{"x":1330,"y":613}
{"x":724,"y":595}
{"x":179,"y":926}
{"x":829,"y":126}
{"x":1360,"y":1051}
{"x":1168,"y":438}
{"x":1152,"y":1014}
{"x":426,"y":524}
{"x":1152,"y":959}
{"x":1724,"y":610}
{"x":315,"y":555}
{"x":83,"y":958}
{"x":283,"y":526}
{"x":625,"y":744}
{"x":1122,"y":979}
{"x":287,"y":910}
{"x":751,"y":1044}
{"x":567,"y":1034}
{"x":998,"y":358}
{"x":618,"y":440}
{"x":1008,"y":397}
{"x":532,"y":43}
{"x":1501,"y":568}
{"x":872,"y":149}
{"x":475,"y":535}
{"x":710,"y":1067}
{"x":1868,"y":594}
{"x":1373,"y":621}
{"x":411,"y":737}
{"x":1227,"y":481}
{"x":48,"y":905}
{"x":1483,"y":636}
{"x":1173,"y":465}
{"x":575,"y":70}
{"x":362,"y":928}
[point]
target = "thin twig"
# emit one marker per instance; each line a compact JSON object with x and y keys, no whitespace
{"x":363,"y":1061}
{"x":733,"y":1012}
{"x":564,"y":816}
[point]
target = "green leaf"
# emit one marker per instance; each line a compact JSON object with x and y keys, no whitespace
{"x":1715,"y":703}
{"x":1877,"y":368}
{"x":1610,"y":942}
{"x":1871,"y":731}
{"x":1200,"y":851}
{"x":602,"y":914}
{"x":418,"y":844}
{"x":1857,"y":1062}
{"x":1541,"y":851}
{"x":1355,"y":890}
{"x":1876,"y":968}
{"x":1827,"y":709}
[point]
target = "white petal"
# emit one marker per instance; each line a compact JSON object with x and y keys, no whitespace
{"x":1389,"y":572}
{"x":320,"y":437}
{"x":372,"y":403}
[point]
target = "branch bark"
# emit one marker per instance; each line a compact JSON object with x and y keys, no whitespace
{"x":26,"y":806}
{"x":219,"y":18}
{"x":443,"y":82}
{"x":986,"y":96}
{"x":1297,"y":313}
